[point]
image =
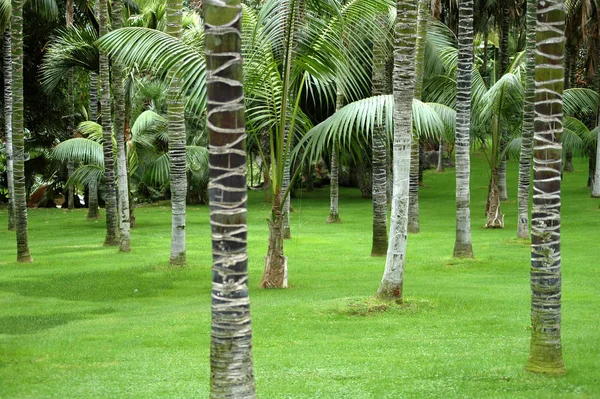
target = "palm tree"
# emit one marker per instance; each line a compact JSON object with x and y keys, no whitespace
{"x":112,"y":233}
{"x":118,"y":96}
{"x":334,"y":215}
{"x":404,"y":87}
{"x":463,"y":247}
{"x":69,"y":19}
{"x":413,"y":201}
{"x":8,"y":128}
{"x":528,"y":125}
{"x":382,"y":85}
{"x":177,"y":146}
{"x":545,"y":355}
{"x":23,"y":255}
{"x":232,"y":374}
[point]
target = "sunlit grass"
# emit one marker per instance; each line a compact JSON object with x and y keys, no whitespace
{"x":85,"y":321}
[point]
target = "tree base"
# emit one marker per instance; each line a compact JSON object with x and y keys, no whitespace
{"x":390,"y":292}
{"x":463,"y":251}
{"x":111,"y":242}
{"x":333,"y":219}
{"x":287,"y":233}
{"x":414,"y":229}
{"x":555,"y":369}
{"x":276,"y":273}
{"x":179,"y":260}
{"x":25,"y":259}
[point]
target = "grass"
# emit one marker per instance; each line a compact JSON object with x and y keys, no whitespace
{"x":85,"y":321}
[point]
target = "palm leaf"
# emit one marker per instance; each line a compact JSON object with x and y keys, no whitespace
{"x":79,"y":150}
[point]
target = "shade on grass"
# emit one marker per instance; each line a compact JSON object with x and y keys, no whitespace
{"x":86,"y":321}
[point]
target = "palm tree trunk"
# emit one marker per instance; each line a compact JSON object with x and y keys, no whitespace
{"x":71,"y":117}
{"x":440,"y":165}
{"x":23,"y":255}
{"x":463,"y":247}
{"x":334,"y":192}
{"x":8,"y":128}
{"x":287,"y":231}
{"x":545,"y":354}
{"x":112,"y":232}
{"x":231,"y":369}
{"x":528,"y":125}
{"x":381,"y":85}
{"x":504,"y":63}
{"x":404,"y":90}
{"x":93,"y":212}
{"x":413,"y":201}
{"x":118,"y":93}
{"x":596,"y":180}
{"x":177,"y":147}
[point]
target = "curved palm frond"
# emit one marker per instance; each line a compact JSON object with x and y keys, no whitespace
{"x":86,"y":174}
{"x":45,"y":8}
{"x":69,"y":48}
{"x":5,"y":14}
{"x":80,"y":150}
{"x":162,"y":54}
{"x":356,"y":121}
{"x":578,"y":101}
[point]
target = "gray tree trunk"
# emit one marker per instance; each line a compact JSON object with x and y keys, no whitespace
{"x":112,"y":231}
{"x":71,"y":118}
{"x":118,"y":94}
{"x":334,"y":191}
{"x":463,"y":247}
{"x":413,"y":206}
{"x":93,"y":212}
{"x":545,"y":354}
{"x":8,"y":100}
{"x":382,"y":84}
{"x":21,"y":224}
{"x":404,"y":89}
{"x":528,"y":125}
{"x":231,"y":368}
{"x":440,"y":165}
{"x":177,"y":149}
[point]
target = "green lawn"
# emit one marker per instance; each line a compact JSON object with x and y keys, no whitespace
{"x":85,"y":321}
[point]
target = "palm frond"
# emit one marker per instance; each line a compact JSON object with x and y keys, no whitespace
{"x":69,"y":48}
{"x":162,"y":54}
{"x":80,"y":150}
{"x":579,"y":101}
{"x":86,"y":174}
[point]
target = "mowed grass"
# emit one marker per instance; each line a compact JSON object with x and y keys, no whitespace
{"x":85,"y":321}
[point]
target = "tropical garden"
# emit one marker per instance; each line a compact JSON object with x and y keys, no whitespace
{"x":164,"y":159}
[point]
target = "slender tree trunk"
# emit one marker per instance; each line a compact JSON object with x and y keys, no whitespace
{"x":382,"y":84}
{"x":112,"y":232}
{"x":440,"y":165}
{"x":231,"y":368}
{"x":570,"y":73}
{"x":177,"y":144}
{"x":413,"y":201}
{"x":71,"y":117}
{"x":118,"y":95}
{"x":23,"y":255}
{"x":287,"y":231}
{"x":545,"y":355}
{"x":334,"y":192}
{"x":404,"y":89}
{"x":596,"y":180}
{"x":8,"y":99}
{"x":504,"y":64}
{"x":275,"y":274}
{"x":93,"y":212}
{"x":528,"y":125}
{"x":463,"y":247}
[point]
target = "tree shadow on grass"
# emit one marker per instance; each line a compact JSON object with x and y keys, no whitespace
{"x":98,"y":286}
{"x":31,"y":324}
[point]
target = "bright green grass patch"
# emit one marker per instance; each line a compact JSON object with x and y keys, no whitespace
{"x":85,"y":321}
